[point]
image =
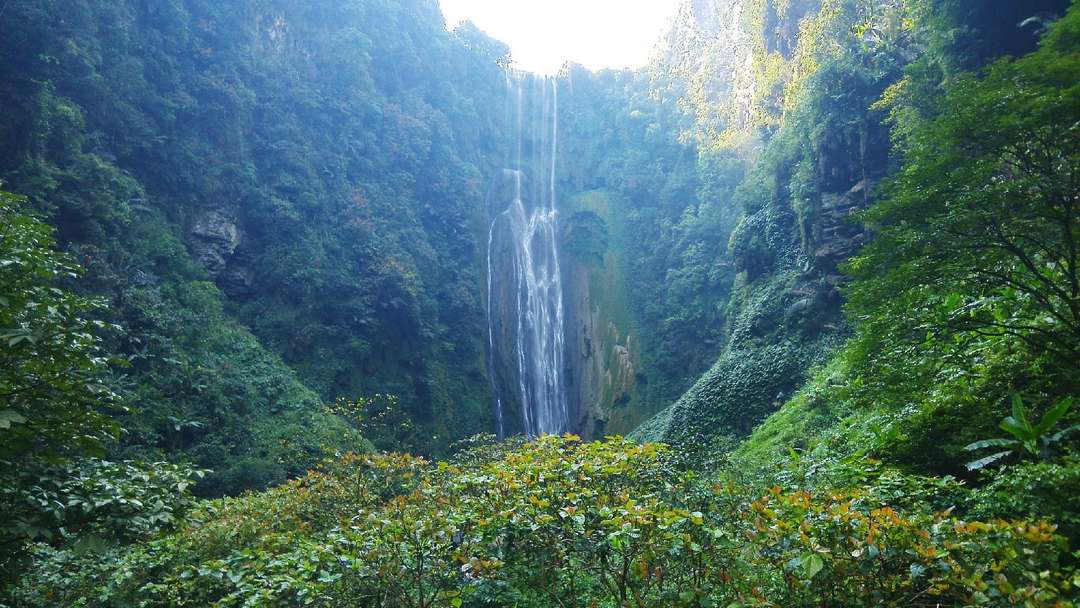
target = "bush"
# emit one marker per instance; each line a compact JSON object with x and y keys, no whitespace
{"x":560,"y":522}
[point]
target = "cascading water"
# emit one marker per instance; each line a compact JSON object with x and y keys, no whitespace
{"x":525,"y":297}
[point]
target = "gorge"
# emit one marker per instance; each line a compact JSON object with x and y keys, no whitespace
{"x":353,"y":213}
{"x":323,"y":303}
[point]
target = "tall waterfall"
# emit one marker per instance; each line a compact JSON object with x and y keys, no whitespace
{"x":525,"y":296}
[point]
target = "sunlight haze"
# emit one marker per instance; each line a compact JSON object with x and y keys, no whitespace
{"x":543,"y":34}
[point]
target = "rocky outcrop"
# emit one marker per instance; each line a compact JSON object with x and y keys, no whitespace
{"x":238,"y":279}
{"x":839,"y":237}
{"x":502,"y":303}
{"x":850,"y":163}
{"x":213,"y":240}
{"x":601,"y":360}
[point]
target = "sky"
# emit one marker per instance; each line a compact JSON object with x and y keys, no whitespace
{"x":543,"y":34}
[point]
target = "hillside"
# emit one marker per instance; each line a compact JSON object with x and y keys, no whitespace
{"x":325,"y":304}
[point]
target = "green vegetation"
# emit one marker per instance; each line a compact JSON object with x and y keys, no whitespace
{"x":53,"y":384}
{"x":821,"y":264}
{"x":668,"y":218}
{"x":1031,"y":440}
{"x":559,"y":521}
{"x":262,"y":198}
{"x":960,"y":303}
{"x":55,"y":406}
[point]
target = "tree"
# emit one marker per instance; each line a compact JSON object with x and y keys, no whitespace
{"x":53,"y":387}
{"x":979,"y":232}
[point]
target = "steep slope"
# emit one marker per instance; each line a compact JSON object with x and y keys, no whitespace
{"x":806,"y":92}
{"x":257,"y":184}
{"x":645,"y":229}
{"x":873,"y":246}
{"x":318,"y":176}
{"x":930,"y":369}
{"x":290,"y":206}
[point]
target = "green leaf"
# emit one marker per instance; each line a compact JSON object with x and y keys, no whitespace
{"x":1063,"y":433}
{"x":10,"y":417}
{"x":991,"y":443}
{"x":1018,"y":411}
{"x":17,"y":339}
{"x":983,"y":462}
{"x":809,"y":565}
{"x":1015,"y":428}
{"x":1051,"y":418}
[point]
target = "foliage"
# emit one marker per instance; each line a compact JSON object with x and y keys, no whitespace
{"x":57,"y":395}
{"x":665,"y":223}
{"x":379,"y":419}
{"x":978,"y":226}
{"x":1030,"y":439}
{"x":930,"y":359}
{"x":938,"y":342}
{"x":888,"y":559}
{"x":1032,"y":489}
{"x":54,"y":392}
{"x":276,"y":197}
{"x":54,"y":389}
{"x":564,"y":522}
{"x":824,"y":150}
{"x":248,"y":185}
{"x":95,"y":502}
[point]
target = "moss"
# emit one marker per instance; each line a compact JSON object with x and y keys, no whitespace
{"x":799,"y":422}
{"x":593,"y":239}
{"x":741,"y":390}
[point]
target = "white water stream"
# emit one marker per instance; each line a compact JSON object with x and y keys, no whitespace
{"x":529,"y":223}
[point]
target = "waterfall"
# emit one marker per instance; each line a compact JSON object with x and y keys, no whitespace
{"x":525,"y":297}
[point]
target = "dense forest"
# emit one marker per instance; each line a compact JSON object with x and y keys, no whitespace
{"x":326,"y":304}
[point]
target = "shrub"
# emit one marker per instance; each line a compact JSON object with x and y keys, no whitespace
{"x":560,"y":522}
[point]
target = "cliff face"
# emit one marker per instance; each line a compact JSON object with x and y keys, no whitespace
{"x":603,"y":350}
{"x":315,"y":170}
{"x":816,"y":148}
{"x":720,"y":60}
{"x":707,"y":57}
{"x":812,"y":161}
{"x":659,"y":297}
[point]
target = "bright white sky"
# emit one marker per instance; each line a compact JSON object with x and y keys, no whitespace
{"x":543,"y":34}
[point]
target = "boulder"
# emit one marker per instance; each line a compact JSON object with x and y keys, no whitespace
{"x":213,"y":239}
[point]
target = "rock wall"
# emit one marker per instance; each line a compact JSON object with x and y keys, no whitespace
{"x":603,"y":352}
